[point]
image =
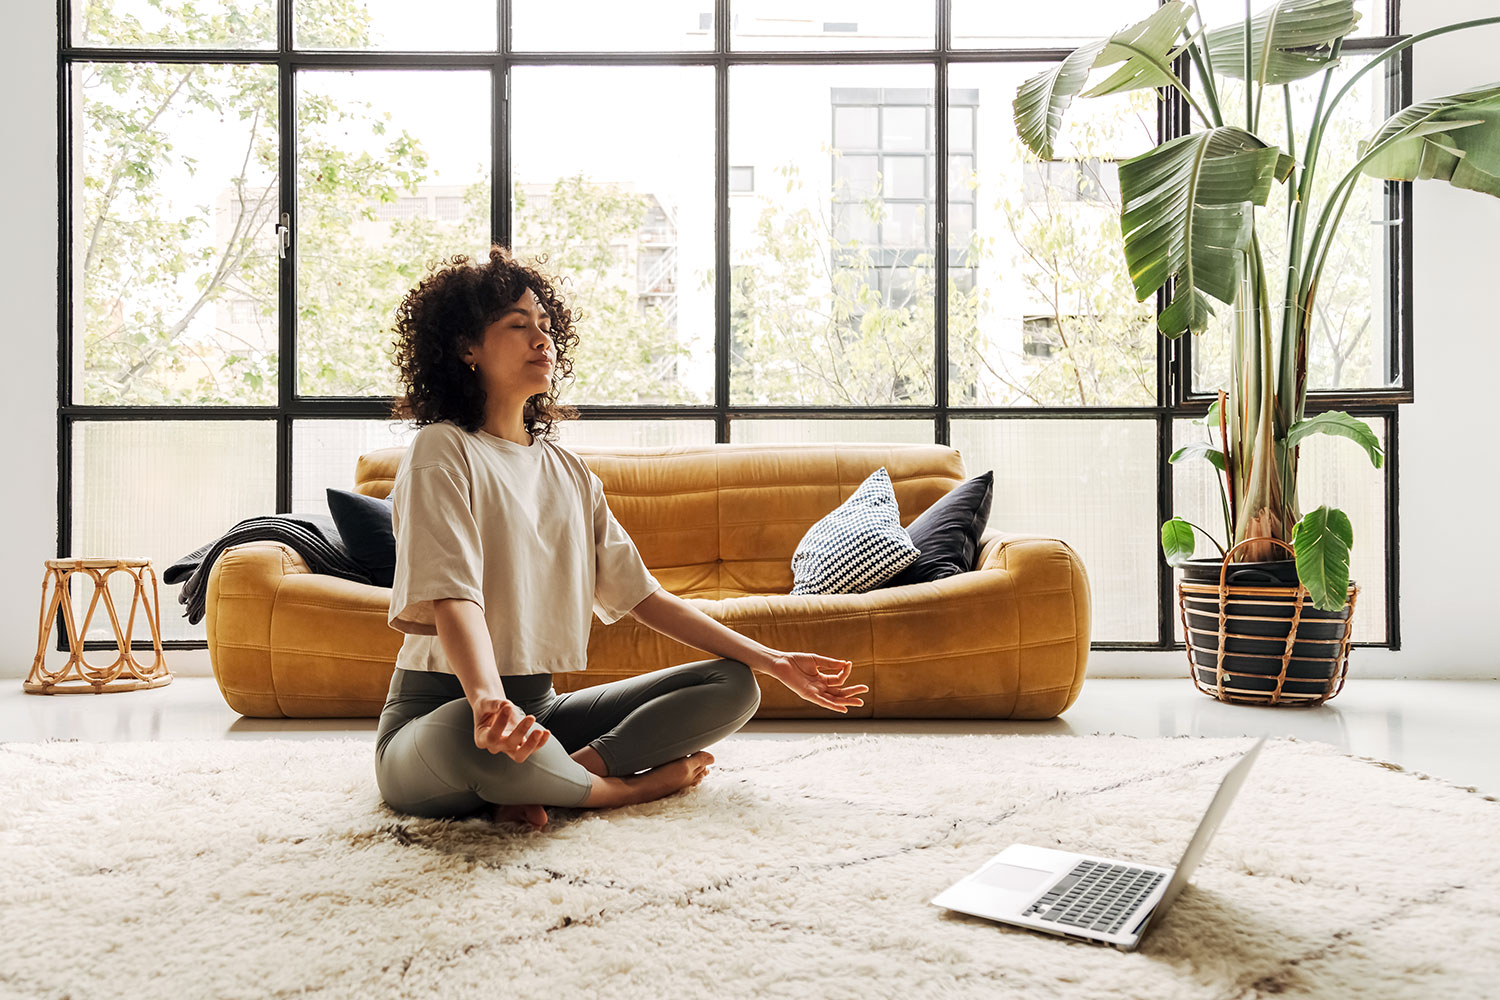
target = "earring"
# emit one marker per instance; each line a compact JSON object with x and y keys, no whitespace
{"x":471,"y":367}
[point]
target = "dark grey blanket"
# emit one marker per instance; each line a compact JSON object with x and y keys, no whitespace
{"x":312,"y":536}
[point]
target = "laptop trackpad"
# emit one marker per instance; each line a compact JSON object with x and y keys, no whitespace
{"x":1013,"y":877}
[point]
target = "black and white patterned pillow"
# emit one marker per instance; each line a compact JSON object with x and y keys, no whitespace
{"x":857,"y":546}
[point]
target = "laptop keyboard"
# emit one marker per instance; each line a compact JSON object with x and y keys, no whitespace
{"x":1095,"y":896}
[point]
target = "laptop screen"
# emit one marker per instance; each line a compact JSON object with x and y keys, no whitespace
{"x":1228,"y":788}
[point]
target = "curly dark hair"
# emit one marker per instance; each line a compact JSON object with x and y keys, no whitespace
{"x":446,"y":313}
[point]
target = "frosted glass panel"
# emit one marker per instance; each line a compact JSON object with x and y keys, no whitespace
{"x":634,"y":433}
{"x":1091,"y":483}
{"x":160,"y":489}
{"x":324,"y":454}
{"x":826,"y":431}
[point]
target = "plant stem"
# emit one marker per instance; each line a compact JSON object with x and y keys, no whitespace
{"x":1205,"y":65}
{"x":1286,"y":375}
{"x":1291,"y":149}
{"x":1229,"y":466}
{"x":1209,"y":89}
{"x":1204,"y":532}
{"x":1249,"y":113}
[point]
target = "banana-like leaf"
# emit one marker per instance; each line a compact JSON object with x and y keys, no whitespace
{"x":1341,"y":425}
{"x":1186,"y":214}
{"x":1454,"y":138}
{"x":1177,"y":541}
{"x":1199,"y":449}
{"x":1322,"y":540}
{"x":1042,"y":99}
{"x":1288,"y":40}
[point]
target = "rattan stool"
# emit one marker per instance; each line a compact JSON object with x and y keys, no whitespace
{"x":91,"y":679}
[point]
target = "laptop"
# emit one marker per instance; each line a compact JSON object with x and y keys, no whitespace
{"x":1084,"y":897}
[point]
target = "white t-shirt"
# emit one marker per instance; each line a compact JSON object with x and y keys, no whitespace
{"x":524,"y":532}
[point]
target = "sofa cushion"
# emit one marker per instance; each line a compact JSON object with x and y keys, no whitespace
{"x":857,"y":546}
{"x":365,"y":525}
{"x":948,"y":532}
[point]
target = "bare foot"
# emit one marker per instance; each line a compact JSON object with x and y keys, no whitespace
{"x":533,"y":814}
{"x":672,"y":776}
{"x":656,"y":783}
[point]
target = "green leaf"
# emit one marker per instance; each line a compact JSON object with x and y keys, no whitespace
{"x":1041,"y":100}
{"x":1288,"y":40}
{"x":1199,"y":449}
{"x":1186,"y":215}
{"x":1339,"y":424}
{"x":1211,"y":418}
{"x":1177,"y":541}
{"x":1454,"y":139}
{"x":1322,"y":540}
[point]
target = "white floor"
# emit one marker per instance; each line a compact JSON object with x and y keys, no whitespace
{"x":1442,"y":728}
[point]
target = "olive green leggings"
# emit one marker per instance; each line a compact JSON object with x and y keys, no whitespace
{"x":426,"y":763}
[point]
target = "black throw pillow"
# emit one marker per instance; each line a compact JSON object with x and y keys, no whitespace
{"x":364,"y":523}
{"x":948,"y":532}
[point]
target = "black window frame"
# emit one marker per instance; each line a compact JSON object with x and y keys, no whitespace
{"x":1174,"y":401}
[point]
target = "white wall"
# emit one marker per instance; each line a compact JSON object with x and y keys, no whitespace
{"x":1450,"y":546}
{"x":28,"y":279}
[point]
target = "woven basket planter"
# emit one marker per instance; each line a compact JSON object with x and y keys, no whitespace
{"x":1263,"y":643}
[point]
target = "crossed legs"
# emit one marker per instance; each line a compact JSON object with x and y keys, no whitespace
{"x":427,"y":763}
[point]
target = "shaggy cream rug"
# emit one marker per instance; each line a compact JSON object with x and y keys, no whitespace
{"x":270,"y":868}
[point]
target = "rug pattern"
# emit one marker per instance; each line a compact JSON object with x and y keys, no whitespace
{"x":270,"y":868}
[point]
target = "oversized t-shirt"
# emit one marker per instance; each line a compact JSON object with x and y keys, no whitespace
{"x":522,"y":531}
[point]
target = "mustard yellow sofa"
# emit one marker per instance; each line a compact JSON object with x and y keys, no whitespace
{"x":716,"y":524}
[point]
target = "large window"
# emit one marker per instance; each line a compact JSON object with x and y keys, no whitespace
{"x":783,"y":222}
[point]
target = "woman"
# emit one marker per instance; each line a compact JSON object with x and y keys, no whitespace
{"x":504,"y":544}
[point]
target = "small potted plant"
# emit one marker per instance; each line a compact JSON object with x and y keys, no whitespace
{"x":1267,"y":622}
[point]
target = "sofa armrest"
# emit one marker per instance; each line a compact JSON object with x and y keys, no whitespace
{"x":285,"y":641}
{"x":1052,"y":593}
{"x":242,"y":588}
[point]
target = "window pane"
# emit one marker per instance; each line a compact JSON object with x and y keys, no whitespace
{"x":609,"y":25}
{"x":856,"y":128}
{"x":821,"y":26}
{"x":130,"y":479}
{"x":905,"y":177}
{"x":811,"y":321}
{"x":633,"y":433}
{"x":904,"y":127}
{"x":175,"y":203}
{"x":208,"y":24}
{"x":1043,"y":242}
{"x":633,"y":234}
{"x":325,"y":453}
{"x":985,"y":24}
{"x":1091,"y":483}
{"x":825,"y":431}
{"x":441,"y":25}
{"x":1351,"y":334}
{"x":1219,"y":13}
{"x":1331,"y":471}
{"x":855,"y":177}
{"x":376,"y":149}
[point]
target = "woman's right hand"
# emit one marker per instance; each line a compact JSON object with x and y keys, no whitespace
{"x":500,"y":727}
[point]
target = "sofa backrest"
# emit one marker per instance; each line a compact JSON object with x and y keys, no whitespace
{"x":722,"y":520}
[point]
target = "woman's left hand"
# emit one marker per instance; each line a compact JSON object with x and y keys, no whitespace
{"x":818,"y":679}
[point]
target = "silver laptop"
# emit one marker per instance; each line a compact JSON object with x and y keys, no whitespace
{"x":1085,"y":897}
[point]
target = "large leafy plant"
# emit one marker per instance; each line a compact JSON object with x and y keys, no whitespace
{"x":1189,"y":224}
